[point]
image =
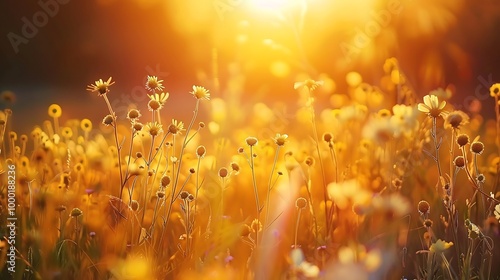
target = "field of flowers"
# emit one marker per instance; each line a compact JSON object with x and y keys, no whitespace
{"x":376,"y":185}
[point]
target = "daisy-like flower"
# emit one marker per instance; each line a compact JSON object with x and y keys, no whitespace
{"x":160,"y":98}
{"x":495,"y":90}
{"x":497,"y":212}
{"x":280,"y":139}
{"x":432,"y":107}
{"x":310,"y":84}
{"x":100,"y":86}
{"x":200,"y":93}
{"x":176,"y":127}
{"x":440,"y":246}
{"x":153,"y":84}
{"x":456,"y":119}
{"x":154,"y":128}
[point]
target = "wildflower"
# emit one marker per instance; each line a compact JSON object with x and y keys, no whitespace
{"x":459,"y":162}
{"x":100,"y":86}
{"x":280,"y":139}
{"x":477,"y":147}
{"x":251,"y":141}
{"x":497,"y":212}
{"x":424,"y":207}
{"x":108,"y":120}
{"x":154,"y":128}
{"x":311,"y":85}
{"x":472,"y":229}
{"x":67,"y":132}
{"x":256,"y":226}
{"x":76,"y":212}
{"x":462,"y":140}
{"x":55,"y":111}
{"x":61,"y":208}
{"x":495,"y":90}
{"x":440,"y":246}
{"x":456,"y":119}
{"x":301,"y":203}
{"x":133,"y":114}
{"x":176,"y":127}
{"x":153,"y":84}
{"x":200,"y":93}
{"x":223,"y":172}
{"x":201,"y":151}
{"x":432,"y":106}
{"x":86,"y":125}
{"x":160,"y":98}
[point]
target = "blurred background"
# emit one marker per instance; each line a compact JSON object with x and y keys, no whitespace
{"x":264,"y":45}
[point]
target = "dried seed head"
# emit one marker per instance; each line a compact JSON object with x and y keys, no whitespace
{"x":223,"y":172}
{"x":201,"y":125}
{"x":192,"y":170}
{"x":240,"y":150}
{"x":133,"y":114}
{"x":165,"y":181}
{"x":137,"y":126}
{"x":309,"y":161}
{"x":424,"y":207}
{"x":134,"y":205}
{"x":160,"y":194}
{"x":459,"y":162}
{"x":108,"y":120}
{"x":235,"y":167}
{"x":184,"y":195}
{"x":76,"y":212}
{"x":61,"y":208}
{"x":480,"y":178}
{"x":327,"y":137}
{"x":201,"y":151}
{"x":428,"y":223}
{"x":301,"y":203}
{"x":138,"y":155}
{"x":190,"y":197}
{"x":477,"y":147}
{"x":462,"y":140}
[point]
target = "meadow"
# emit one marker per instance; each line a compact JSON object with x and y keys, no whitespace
{"x":377,"y":184}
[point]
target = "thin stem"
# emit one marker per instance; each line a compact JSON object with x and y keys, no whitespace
{"x":270,"y":182}
{"x":256,"y":193}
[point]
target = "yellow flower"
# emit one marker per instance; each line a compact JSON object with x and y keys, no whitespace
{"x":497,"y":212}
{"x":432,"y":106}
{"x":176,"y":127}
{"x":280,"y":139}
{"x":55,"y":111}
{"x":440,"y":246}
{"x":309,"y":84}
{"x":154,"y":84}
{"x":86,"y":125}
{"x":154,"y":128}
{"x":495,"y":90}
{"x":160,"y":98}
{"x":200,"y":93}
{"x":100,"y":86}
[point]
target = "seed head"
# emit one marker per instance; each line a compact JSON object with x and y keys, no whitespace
{"x":184,"y":195}
{"x":108,"y":120}
{"x":251,"y":141}
{"x":133,"y":114}
{"x":424,"y":207}
{"x":76,"y":212}
{"x":459,"y":162}
{"x":201,"y":151}
{"x":301,"y":203}
{"x":327,"y":137}
{"x":134,"y":205}
{"x":223,"y":172}
{"x":462,"y":140}
{"x":477,"y":147}
{"x":165,"y":181}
